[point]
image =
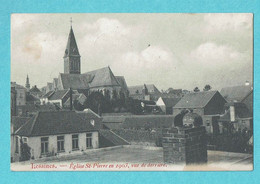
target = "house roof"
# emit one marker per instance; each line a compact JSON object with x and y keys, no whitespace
{"x":36,"y":107}
{"x":141,"y":120}
{"x":34,"y":89}
{"x":195,"y":100}
{"x":75,"y":81}
{"x":58,"y":95}
{"x":17,"y":122}
{"x":236,"y":93}
{"x":80,"y":97}
{"x":48,"y":94}
{"x":54,"y":123}
{"x":32,"y":98}
{"x":113,"y":119}
{"x":170,"y":102}
{"x":150,"y":87}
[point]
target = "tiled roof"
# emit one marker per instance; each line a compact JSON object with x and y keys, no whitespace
{"x":103,"y":77}
{"x":36,"y":107}
{"x":151,"y":89}
{"x":75,"y":81}
{"x":35,"y":89}
{"x":115,"y":139}
{"x":54,"y":123}
{"x":113,"y":119}
{"x":47,"y":95}
{"x":236,"y":93}
{"x":31,"y":98}
{"x":58,"y":95}
{"x":17,"y":122}
{"x":80,"y":97}
{"x":196,"y":100}
{"x":170,"y":102}
{"x":97,"y":78}
{"x":141,"y":120}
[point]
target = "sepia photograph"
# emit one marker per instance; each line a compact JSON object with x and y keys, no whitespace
{"x":131,"y":92}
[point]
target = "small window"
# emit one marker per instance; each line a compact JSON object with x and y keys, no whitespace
{"x":89,"y":140}
{"x":44,"y":145}
{"x":60,"y":143}
{"x":208,"y":124}
{"x":75,"y":142}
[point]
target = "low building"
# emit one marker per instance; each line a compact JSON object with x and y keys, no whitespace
{"x":167,"y":104}
{"x":57,"y":133}
{"x":207,"y":104}
{"x":58,"y":97}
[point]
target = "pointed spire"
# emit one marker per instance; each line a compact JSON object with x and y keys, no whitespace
{"x":71,"y":48}
{"x":27,"y":85}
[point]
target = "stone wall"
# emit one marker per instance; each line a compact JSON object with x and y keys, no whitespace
{"x":184,"y":145}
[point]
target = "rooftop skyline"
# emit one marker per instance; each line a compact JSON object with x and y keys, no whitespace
{"x":168,"y":50}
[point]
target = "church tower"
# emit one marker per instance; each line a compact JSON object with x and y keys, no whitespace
{"x":27,"y":85}
{"x":71,"y":56}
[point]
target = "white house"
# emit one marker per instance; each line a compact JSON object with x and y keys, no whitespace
{"x":56,"y":133}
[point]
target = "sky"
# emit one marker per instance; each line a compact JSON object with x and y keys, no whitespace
{"x":169,"y":50}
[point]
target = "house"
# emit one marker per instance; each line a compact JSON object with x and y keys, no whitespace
{"x":32,"y":99}
{"x":20,"y":93}
{"x":79,"y":97}
{"x":236,"y":93}
{"x":207,"y":104}
{"x":58,"y":97}
{"x":56,"y":133}
{"x":13,"y":101}
{"x":144,"y":92}
{"x":167,"y":104}
{"x":35,"y":91}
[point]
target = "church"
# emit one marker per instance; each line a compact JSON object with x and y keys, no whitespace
{"x":96,"y":80}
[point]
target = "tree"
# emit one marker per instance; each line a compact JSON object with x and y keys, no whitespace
{"x":96,"y":102}
{"x":196,"y":89}
{"x":207,"y":87}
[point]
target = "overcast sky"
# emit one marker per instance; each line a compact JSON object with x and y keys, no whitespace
{"x":168,"y":50}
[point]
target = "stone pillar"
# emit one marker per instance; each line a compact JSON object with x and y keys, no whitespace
{"x":184,"y":145}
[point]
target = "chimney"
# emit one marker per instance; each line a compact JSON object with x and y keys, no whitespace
{"x":70,"y":99}
{"x":232,"y":112}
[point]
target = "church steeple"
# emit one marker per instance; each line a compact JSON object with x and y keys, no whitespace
{"x":71,"y":56}
{"x":27,"y":85}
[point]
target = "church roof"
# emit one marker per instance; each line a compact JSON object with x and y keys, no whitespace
{"x":96,"y":78}
{"x":122,"y":82}
{"x":71,"y":48}
{"x":102,"y":77}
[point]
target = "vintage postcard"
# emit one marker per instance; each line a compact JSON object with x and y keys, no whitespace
{"x":132,"y":92}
